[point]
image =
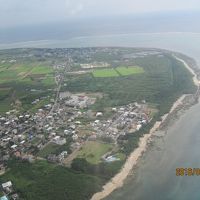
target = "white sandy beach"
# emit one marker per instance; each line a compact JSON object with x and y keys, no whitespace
{"x":195,"y":79}
{"x":118,"y":180}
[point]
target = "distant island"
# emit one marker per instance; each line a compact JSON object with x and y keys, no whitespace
{"x":70,"y":118}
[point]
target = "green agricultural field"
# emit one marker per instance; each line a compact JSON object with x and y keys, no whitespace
{"x":5,"y":100}
{"x":93,"y":151}
{"x":4,"y":91}
{"x":21,"y":71}
{"x":22,"y":77}
{"x":102,"y":73}
{"x":7,"y":76}
{"x":5,"y":106}
{"x":42,"y":70}
{"x":125,"y":71}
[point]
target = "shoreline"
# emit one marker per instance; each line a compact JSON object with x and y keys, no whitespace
{"x":195,"y":79}
{"x":118,"y":180}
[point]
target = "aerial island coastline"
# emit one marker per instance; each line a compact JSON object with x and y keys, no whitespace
{"x":118,"y":180}
{"x":99,"y":100}
{"x":75,"y":105}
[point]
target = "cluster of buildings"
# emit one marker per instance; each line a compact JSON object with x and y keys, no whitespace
{"x":16,"y":133}
{"x":69,"y":115}
{"x":24,"y":135}
{"x":8,"y":192}
{"x":142,"y":54}
{"x":125,"y":119}
{"x":94,"y":65}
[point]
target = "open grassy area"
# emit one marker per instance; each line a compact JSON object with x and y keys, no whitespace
{"x":48,"y":81}
{"x":125,"y":71}
{"x":44,"y":181}
{"x":42,"y":70}
{"x":5,"y":106}
{"x":102,"y":73}
{"x":5,"y":101}
{"x":121,"y":156}
{"x":20,"y":71}
{"x":93,"y":151}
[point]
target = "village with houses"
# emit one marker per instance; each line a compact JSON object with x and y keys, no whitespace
{"x":58,"y":130}
{"x":23,"y":136}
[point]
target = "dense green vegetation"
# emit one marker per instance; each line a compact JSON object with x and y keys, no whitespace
{"x":125,"y":71}
{"x":119,"y":71}
{"x":164,"y":80}
{"x":42,"y":180}
{"x":105,"y":73}
{"x":160,"y":81}
{"x":102,"y":170}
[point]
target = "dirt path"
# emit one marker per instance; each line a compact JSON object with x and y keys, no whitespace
{"x":67,"y":162}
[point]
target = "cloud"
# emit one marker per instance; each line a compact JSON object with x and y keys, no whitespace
{"x":74,"y":7}
{"x":16,"y":12}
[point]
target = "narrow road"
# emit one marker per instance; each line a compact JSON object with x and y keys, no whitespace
{"x":59,"y":85}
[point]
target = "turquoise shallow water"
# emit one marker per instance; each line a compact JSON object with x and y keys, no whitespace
{"x":155,"y":178}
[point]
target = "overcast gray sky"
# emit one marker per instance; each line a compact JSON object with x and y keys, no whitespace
{"x":20,"y":12}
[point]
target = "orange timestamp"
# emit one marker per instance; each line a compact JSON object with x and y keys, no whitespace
{"x":187,"y":171}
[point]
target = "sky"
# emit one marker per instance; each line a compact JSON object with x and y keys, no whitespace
{"x":27,"y":12}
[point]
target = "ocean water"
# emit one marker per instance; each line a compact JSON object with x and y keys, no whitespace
{"x":188,"y":43}
{"x":155,"y":177}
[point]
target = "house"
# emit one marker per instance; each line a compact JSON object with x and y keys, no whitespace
{"x":139,"y":126}
{"x":66,"y":132}
{"x":114,"y":109}
{"x":77,"y":122}
{"x":75,"y":137}
{"x":62,"y":155}
{"x":7,"y":187}
{"x":14,"y":197}
{"x":7,"y":184}
{"x":58,"y":140}
{"x":99,"y":114}
{"x":14,"y":146}
{"x":52,"y":158}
